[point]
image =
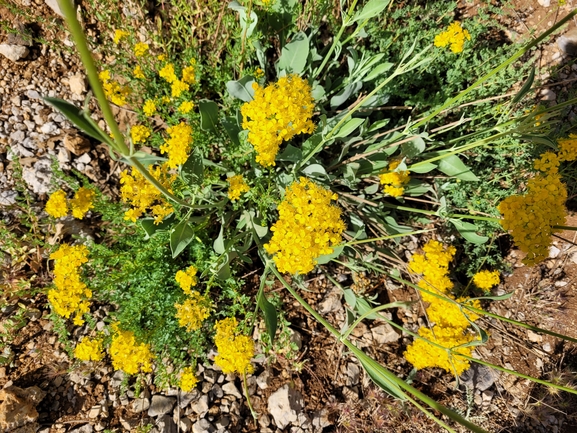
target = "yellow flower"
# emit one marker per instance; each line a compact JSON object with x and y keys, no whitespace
{"x":129,"y":356}
{"x":193,"y":311}
{"x":69,"y":295}
{"x":188,"y":379}
{"x":187,"y":279}
{"x":82,"y":202}
{"x":89,"y":350}
{"x":178,"y":145}
{"x":277,"y":113}
{"x":485,"y":280}
{"x":161,"y":57}
{"x":188,"y":73}
{"x":237,"y":187}
{"x":167,"y":72}
{"x":454,"y":36}
{"x":568,"y":148}
{"x":149,"y":108}
{"x":258,"y":73}
{"x":56,"y":205}
{"x":234,"y":351}
{"x":142,"y":195}
{"x":178,"y":87}
{"x":114,"y":91}
{"x":118,"y":35}
{"x":308,"y":227}
{"x":138,"y":73}
{"x":140,"y":49}
{"x":394,"y":181}
{"x":186,"y":107}
{"x":139,"y":133}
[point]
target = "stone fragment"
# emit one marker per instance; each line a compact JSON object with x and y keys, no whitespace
{"x":95,"y":411}
{"x":284,"y":405}
{"x":548,"y":95}
{"x":160,"y":405}
{"x":18,"y":406}
{"x":140,"y":405}
{"x":76,"y":144}
{"x":544,"y":3}
{"x":353,"y":373}
{"x":479,"y":377}
{"x":185,"y":425}
{"x":14,"y":52}
{"x":200,"y":406}
{"x":385,"y":333}
{"x":129,"y":424}
{"x":38,"y":176}
{"x":230,"y":388}
{"x":203,"y":426}
{"x":568,"y":42}
{"x":165,"y":424}
{"x":86,"y":428}
{"x":534,"y":337}
{"x":263,"y":378}
{"x":77,"y":84}
{"x":53,"y":4}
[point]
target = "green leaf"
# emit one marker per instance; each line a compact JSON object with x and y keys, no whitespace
{"x":495,"y":298}
{"x":412,"y":148}
{"x":315,"y":170}
{"x":423,"y":168}
{"x":150,"y":228}
{"x":241,"y":89}
{"x":349,"y":127}
{"x":468,"y":231}
{"x":370,"y":10}
{"x":218,"y":245}
{"x":232,"y":129}
{"x":372,"y":369}
{"x":192,"y":171}
{"x":293,"y":58}
{"x":291,"y":154}
{"x":526,"y":87}
{"x":378,"y":71}
{"x":76,"y":116}
{"x":325,"y":258}
{"x":208,"y":115}
{"x":181,"y":236}
{"x":247,"y":28}
{"x":363,"y":307}
{"x":341,"y":97}
{"x":452,"y":165}
{"x":270,"y":316}
{"x":350,"y":297}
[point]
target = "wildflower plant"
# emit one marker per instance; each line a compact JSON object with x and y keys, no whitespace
{"x":295,"y":166}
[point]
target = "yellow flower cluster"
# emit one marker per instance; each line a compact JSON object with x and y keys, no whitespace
{"x":308,"y":226}
{"x":116,"y":93}
{"x":138,"y":73}
{"x":118,"y":35}
{"x":178,"y":86}
{"x":234,"y":351}
{"x":141,"y":195}
{"x":139,"y":133}
{"x":57,"y":205}
{"x":82,"y":202}
{"x":186,"y":107}
{"x":278,"y":113}
{"x":530,"y":218}
{"x":451,"y":322}
{"x":237,"y":187}
{"x":188,"y":379}
{"x":127,"y":355}
{"x":454,"y":36}
{"x":394,"y":181}
{"x":140,"y":49}
{"x":189,"y":73}
{"x":178,"y":145}
{"x":195,"y":309}
{"x":149,"y":107}
{"x":70,"y":294}
{"x":485,"y":280}
{"x":187,"y":279}
{"x":568,"y":148}
{"x":89,"y":350}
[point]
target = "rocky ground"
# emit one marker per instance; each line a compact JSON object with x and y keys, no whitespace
{"x":324,"y":389}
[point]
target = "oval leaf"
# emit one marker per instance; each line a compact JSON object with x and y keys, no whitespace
{"x":349,"y":127}
{"x":241,"y":89}
{"x":453,"y":166}
{"x":208,"y":115}
{"x":370,"y":10}
{"x":294,"y":55}
{"x":468,"y":231}
{"x":180,"y":237}
{"x":270,"y":316}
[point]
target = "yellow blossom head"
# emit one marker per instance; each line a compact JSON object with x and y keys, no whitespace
{"x":140,"y":49}
{"x":57,"y":206}
{"x":237,"y":187}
